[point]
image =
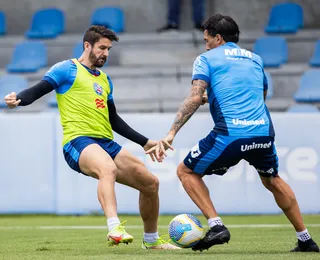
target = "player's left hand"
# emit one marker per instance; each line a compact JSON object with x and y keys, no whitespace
{"x":149,"y":147}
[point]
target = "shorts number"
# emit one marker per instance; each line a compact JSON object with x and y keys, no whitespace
{"x":195,"y":151}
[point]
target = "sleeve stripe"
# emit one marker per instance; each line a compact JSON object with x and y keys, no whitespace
{"x":201,"y":77}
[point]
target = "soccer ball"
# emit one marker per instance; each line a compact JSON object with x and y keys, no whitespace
{"x":185,"y":230}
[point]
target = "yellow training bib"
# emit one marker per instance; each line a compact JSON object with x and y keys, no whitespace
{"x":83,"y":108}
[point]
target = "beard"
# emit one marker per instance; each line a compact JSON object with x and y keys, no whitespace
{"x":97,"y":62}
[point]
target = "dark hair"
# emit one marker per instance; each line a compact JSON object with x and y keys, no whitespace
{"x":96,"y":32}
{"x":223,"y":25}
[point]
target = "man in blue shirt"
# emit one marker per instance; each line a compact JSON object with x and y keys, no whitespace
{"x":236,"y":88}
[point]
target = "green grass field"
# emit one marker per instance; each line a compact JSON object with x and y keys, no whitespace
{"x":52,"y":237}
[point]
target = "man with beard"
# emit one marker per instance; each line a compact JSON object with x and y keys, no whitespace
{"x":88,"y":116}
{"x":236,"y":87}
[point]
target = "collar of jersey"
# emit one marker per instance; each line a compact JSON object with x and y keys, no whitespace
{"x":229,"y":44}
{"x":93,"y":72}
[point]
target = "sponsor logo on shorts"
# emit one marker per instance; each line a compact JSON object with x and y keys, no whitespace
{"x":237,"y":121}
{"x":97,"y":88}
{"x":195,"y":151}
{"x":253,"y":146}
{"x":223,"y":169}
{"x":269,"y":172}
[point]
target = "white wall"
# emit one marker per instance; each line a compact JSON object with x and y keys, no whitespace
{"x":35,"y":178}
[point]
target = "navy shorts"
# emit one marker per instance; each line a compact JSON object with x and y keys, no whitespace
{"x":216,"y":153}
{"x":73,"y":149}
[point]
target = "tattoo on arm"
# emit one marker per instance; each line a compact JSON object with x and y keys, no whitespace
{"x":189,"y":105}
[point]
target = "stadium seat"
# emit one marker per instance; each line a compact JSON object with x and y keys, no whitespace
{"x":315,"y":59}
{"x":285,"y":18}
{"x":309,"y":89}
{"x":28,"y":56}
{"x":77,"y":50}
{"x":11,"y":83}
{"x":272,"y":49}
{"x":2,"y":23}
{"x":46,"y":23}
{"x":270,"y":85}
{"x":303,"y":108}
{"x":111,"y":17}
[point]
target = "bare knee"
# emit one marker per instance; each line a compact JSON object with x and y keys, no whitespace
{"x":106,"y":173}
{"x":154,"y":187}
{"x":281,"y":190}
{"x":150,"y":182}
{"x":151,"y":187}
{"x":268,"y":183}
{"x":276,"y":184}
{"x":182,"y":171}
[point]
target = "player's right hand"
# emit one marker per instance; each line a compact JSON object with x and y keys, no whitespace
{"x":159,"y":150}
{"x":166,"y":143}
{"x":11,"y":100}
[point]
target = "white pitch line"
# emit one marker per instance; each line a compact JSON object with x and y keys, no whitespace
{"x":140,"y":227}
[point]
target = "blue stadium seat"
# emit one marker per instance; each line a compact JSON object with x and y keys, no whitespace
{"x":111,"y":17}
{"x":77,"y":50}
{"x":285,"y":18}
{"x":46,"y":23}
{"x":11,"y":83}
{"x":28,"y":56}
{"x":309,"y":89}
{"x":270,"y":85}
{"x":315,"y":59}
{"x":272,"y":49}
{"x":3,"y":27}
{"x":303,"y":108}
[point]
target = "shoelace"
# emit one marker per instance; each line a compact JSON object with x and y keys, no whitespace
{"x":165,"y":238}
{"x":121,"y":227}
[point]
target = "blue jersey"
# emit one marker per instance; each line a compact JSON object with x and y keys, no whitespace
{"x":236,"y":82}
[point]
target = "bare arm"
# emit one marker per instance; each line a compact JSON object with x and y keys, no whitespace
{"x":189,"y":105}
{"x":186,"y":110}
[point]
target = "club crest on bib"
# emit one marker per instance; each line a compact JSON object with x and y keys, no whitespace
{"x":97,"y":88}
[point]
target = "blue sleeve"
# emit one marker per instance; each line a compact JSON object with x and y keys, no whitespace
{"x":201,"y":69}
{"x":265,"y":82}
{"x":58,"y":73}
{"x":110,"y":96}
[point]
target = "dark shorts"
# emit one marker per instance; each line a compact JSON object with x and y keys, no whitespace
{"x":73,"y":149}
{"x":216,"y":153}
